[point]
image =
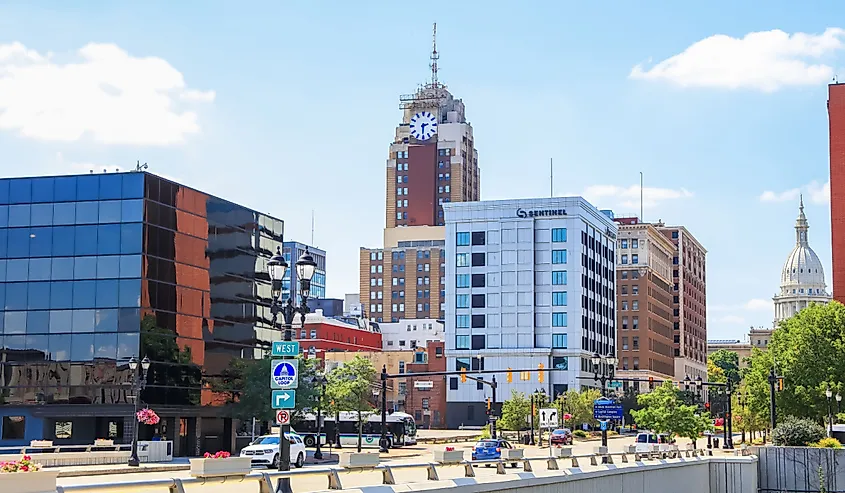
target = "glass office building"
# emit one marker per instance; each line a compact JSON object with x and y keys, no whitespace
{"x":96,"y":269}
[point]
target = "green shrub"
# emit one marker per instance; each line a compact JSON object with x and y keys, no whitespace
{"x":485,"y":433}
{"x":797,"y":432}
{"x":580,"y":433}
{"x":828,"y":443}
{"x":612,"y":433}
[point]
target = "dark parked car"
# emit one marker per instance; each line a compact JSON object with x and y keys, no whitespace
{"x":561,"y":436}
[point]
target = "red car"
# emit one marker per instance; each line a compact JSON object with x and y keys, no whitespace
{"x":561,"y":436}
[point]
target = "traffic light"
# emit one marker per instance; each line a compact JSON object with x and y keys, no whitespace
{"x":780,"y":384}
{"x":510,"y":376}
{"x":463,"y":375}
{"x":540,"y":373}
{"x":650,"y":383}
{"x":489,"y":404}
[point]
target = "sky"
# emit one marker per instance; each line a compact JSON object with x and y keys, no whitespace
{"x":289,"y":107}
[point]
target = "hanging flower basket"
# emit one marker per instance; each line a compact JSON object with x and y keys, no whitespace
{"x":148,"y":417}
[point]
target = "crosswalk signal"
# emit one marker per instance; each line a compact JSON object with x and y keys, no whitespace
{"x":463,"y":375}
{"x":510,"y":376}
{"x":650,"y":383}
{"x":780,"y":384}
{"x":540,"y":373}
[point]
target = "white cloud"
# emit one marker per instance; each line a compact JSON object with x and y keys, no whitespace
{"x":758,"y":304}
{"x":817,"y":193}
{"x":629,"y":197}
{"x":105,"y":94}
{"x":765,"y":61}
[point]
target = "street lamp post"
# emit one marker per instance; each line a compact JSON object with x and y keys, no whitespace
{"x":318,"y":454}
{"x":604,"y":368}
{"x":829,"y":394}
{"x":276,"y":268}
{"x":383,"y":441}
{"x":139,"y":382}
{"x":531,"y":420}
{"x":540,"y":400}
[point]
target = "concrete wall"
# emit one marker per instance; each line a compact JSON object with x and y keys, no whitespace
{"x":797,"y":468}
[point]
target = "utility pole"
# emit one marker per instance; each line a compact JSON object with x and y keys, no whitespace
{"x":493,"y":409}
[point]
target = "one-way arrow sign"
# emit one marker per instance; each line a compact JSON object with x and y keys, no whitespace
{"x":284,"y":399}
{"x":548,"y":418}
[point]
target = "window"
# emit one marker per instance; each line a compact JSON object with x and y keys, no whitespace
{"x":14,"y":427}
{"x":559,"y":319}
{"x":558,"y":235}
{"x":635,"y":289}
{"x":635,"y":243}
{"x":559,"y":298}
{"x":624,"y":323}
{"x":675,"y":260}
{"x":674,"y":235}
{"x":462,"y":321}
{"x":453,"y":383}
{"x":635,"y":323}
{"x":624,"y":363}
{"x":635,"y":343}
{"x":478,"y":238}
{"x":462,"y":239}
{"x":478,"y":321}
{"x":558,"y":256}
{"x":636,"y":363}
{"x":623,"y":290}
{"x":425,"y":403}
{"x":635,"y":259}
{"x":635,"y":305}
{"x":478,"y":342}
{"x":401,"y":367}
{"x":401,"y":343}
{"x":624,"y":244}
{"x":462,"y":280}
{"x":559,"y":278}
{"x":559,"y":341}
{"x":624,"y":274}
{"x":478,"y":280}
{"x":624,"y":259}
{"x":625,"y":343}
{"x":462,"y":301}
{"x":462,"y":260}
{"x":478,"y":260}
{"x":635,"y":274}
{"x":478,"y":301}
{"x":624,"y":305}
{"x":461,"y":342}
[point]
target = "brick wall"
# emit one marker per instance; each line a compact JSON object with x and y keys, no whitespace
{"x":435,"y":416}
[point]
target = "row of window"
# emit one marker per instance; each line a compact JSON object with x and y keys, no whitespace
{"x":635,"y":259}
{"x":67,"y":213}
{"x":67,"y":241}
{"x":70,"y":321}
{"x":74,"y":347}
{"x":559,"y":298}
{"x":478,"y":321}
{"x":402,"y":203}
{"x":477,"y":238}
{"x":71,"y":294}
{"x":476,"y":342}
{"x":635,"y":323}
{"x":635,"y":289}
{"x":401,"y":191}
{"x":70,"y":268}
{"x":443,"y":189}
{"x":72,"y":188}
{"x":635,"y":243}
{"x":635,"y":305}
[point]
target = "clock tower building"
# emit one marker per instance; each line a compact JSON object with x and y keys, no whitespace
{"x":431,"y":161}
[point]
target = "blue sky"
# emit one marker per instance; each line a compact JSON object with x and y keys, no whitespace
{"x":288,"y":107}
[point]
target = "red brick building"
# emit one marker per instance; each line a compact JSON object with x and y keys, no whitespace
{"x":836,"y":119}
{"x":324,"y":334}
{"x":425,"y":397}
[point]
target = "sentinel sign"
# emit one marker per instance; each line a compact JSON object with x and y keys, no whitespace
{"x":540,"y":212}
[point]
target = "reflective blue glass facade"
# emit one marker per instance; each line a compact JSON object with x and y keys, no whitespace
{"x":96,"y":269}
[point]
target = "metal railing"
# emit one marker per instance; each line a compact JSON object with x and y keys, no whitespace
{"x":29,"y":449}
{"x":267,"y":480}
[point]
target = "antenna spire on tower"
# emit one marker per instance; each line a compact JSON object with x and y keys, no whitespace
{"x":434,"y":56}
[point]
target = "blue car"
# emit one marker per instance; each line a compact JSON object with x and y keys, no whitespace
{"x":490,"y":448}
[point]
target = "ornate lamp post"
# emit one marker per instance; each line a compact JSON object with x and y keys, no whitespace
{"x":604,"y":367}
{"x":829,"y":394}
{"x":322,"y":381}
{"x":139,"y":383}
{"x":276,"y":268}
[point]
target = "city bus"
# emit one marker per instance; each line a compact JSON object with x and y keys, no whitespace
{"x":401,"y":429}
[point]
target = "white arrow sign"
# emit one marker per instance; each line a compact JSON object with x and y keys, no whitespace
{"x":548,"y":418}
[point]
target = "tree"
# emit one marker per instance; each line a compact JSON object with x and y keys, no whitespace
{"x":630,"y":403}
{"x":580,"y":406}
{"x":806,"y":350}
{"x":515,"y":412}
{"x":715,"y":373}
{"x":350,"y":387}
{"x":664,"y":412}
{"x":728,"y":362}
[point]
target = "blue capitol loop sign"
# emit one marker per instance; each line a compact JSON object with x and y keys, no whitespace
{"x":284,"y":374}
{"x":604,"y":409}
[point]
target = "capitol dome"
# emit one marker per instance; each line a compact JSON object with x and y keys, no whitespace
{"x":802,"y":278}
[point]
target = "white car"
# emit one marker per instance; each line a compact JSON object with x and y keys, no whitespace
{"x":264,"y":451}
{"x":645,"y":440}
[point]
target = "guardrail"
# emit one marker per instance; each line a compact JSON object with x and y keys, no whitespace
{"x":265,"y":480}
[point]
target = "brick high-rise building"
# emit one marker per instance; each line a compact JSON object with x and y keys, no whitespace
{"x":836,"y":118}
{"x":432,"y":160}
{"x":689,"y":304}
{"x":644,"y":293}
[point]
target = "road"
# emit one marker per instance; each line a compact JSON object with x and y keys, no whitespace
{"x":350,"y":480}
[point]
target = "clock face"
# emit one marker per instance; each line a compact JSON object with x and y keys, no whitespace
{"x":423,"y":125}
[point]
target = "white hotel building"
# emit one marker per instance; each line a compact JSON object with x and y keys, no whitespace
{"x":529,"y":282}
